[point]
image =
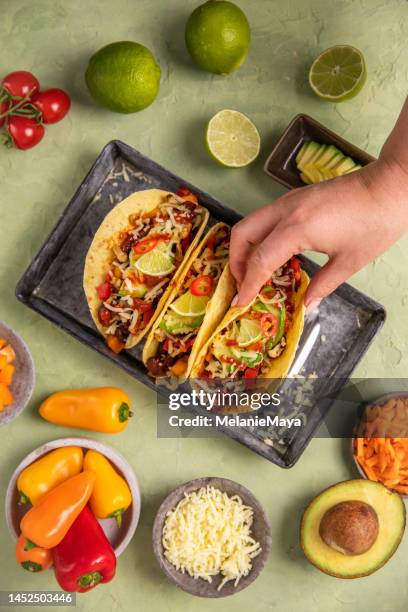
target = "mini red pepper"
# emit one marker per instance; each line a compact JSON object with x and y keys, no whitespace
{"x":84,"y":558}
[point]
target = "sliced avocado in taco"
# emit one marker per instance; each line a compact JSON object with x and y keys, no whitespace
{"x":259,"y":340}
{"x":136,"y":256}
{"x":195,"y":307}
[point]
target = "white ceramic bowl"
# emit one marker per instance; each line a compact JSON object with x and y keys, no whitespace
{"x":378,"y":402}
{"x":24,"y":378}
{"x":119,"y":537}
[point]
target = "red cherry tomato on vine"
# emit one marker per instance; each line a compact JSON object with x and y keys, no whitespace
{"x":202,"y":285}
{"x":24,"y":131}
{"x":53,"y":104}
{"x":20,"y":83}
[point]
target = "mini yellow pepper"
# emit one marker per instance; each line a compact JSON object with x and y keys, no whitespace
{"x":104,"y":409}
{"x":48,"y":472}
{"x":111,"y":495}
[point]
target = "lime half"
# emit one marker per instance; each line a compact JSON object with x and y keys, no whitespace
{"x":249,"y":332}
{"x":155,"y":263}
{"x":232,"y":139}
{"x":338,"y":74}
{"x":189,"y":305}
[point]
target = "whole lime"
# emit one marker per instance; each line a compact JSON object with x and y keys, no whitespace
{"x":218,"y":36}
{"x":123,"y":77}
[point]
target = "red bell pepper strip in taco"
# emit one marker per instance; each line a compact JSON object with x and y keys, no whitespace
{"x":84,"y":558}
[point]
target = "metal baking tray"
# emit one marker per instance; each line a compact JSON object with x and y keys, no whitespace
{"x":52,"y":285}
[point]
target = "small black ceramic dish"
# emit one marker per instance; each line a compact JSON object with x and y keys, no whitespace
{"x":260,"y":531}
{"x":281,"y":163}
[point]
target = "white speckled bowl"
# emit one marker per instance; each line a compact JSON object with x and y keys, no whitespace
{"x":24,"y":378}
{"x":119,"y":537}
{"x":378,"y":402}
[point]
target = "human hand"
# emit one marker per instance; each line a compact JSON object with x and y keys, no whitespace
{"x":352,"y":219}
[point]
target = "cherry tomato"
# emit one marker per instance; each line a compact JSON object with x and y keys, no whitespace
{"x":202,"y":285}
{"x":24,"y":131}
{"x":20,"y":84}
{"x":187,"y":195}
{"x":269,"y":324}
{"x":104,"y":291}
{"x":145,"y":246}
{"x":251,"y":372}
{"x":54,"y":104}
{"x":104,"y":316}
{"x":141,"y":306}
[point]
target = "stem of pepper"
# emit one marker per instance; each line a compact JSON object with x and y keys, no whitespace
{"x":124,"y":412}
{"x":31,"y":566}
{"x":29,"y":545}
{"x":24,"y":499}
{"x":118,"y":516}
{"x":89,"y":580}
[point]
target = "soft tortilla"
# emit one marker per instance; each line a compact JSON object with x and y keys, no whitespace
{"x":281,"y":365}
{"x":216,"y":307}
{"x":99,"y":257}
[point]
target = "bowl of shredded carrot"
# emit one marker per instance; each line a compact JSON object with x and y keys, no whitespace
{"x":380,"y":445}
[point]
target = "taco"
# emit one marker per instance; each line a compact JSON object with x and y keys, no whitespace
{"x":259,"y":340}
{"x":139,"y":250}
{"x":196,"y":306}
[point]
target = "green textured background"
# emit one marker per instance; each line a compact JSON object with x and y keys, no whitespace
{"x":54,"y":38}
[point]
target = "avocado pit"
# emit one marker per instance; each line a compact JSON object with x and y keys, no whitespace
{"x":350,"y":527}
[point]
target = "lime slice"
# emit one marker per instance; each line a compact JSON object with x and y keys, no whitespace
{"x":249,"y":332}
{"x":338,"y":73}
{"x":189,"y":305}
{"x":155,"y":263}
{"x":232,"y":139}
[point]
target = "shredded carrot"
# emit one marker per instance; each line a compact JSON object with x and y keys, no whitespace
{"x":383,"y":453}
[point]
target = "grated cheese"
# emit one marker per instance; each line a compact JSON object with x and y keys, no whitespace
{"x":209,"y":533}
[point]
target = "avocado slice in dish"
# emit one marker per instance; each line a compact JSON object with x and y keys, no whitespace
{"x":353,"y":528}
{"x":309,"y":151}
{"x":344,"y":166}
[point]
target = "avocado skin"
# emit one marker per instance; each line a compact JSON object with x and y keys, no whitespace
{"x":361,"y":574}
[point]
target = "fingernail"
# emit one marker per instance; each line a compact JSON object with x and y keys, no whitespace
{"x":314,"y":305}
{"x":234,"y":301}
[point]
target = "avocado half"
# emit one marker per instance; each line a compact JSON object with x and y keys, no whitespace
{"x":390,"y":511}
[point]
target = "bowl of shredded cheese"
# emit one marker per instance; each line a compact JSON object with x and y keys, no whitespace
{"x":211,"y":537}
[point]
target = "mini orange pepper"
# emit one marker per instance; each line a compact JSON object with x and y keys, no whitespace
{"x":46,"y":523}
{"x":104,"y":409}
{"x":32,"y":558}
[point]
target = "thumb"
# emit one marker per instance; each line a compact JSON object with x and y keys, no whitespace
{"x":335,"y":272}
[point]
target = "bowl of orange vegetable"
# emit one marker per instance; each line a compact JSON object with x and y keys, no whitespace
{"x":16,"y":374}
{"x":380,"y":448}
